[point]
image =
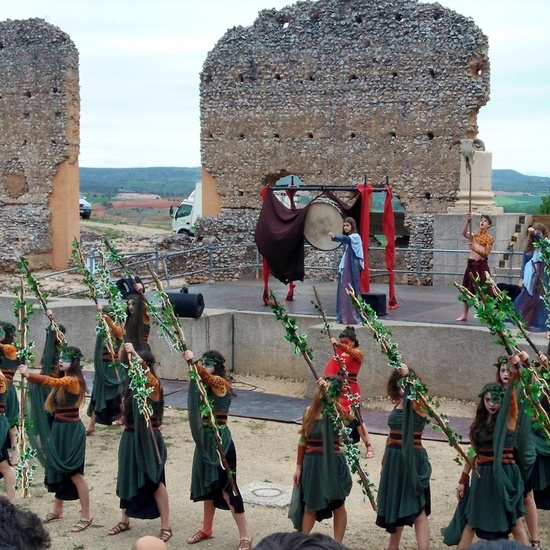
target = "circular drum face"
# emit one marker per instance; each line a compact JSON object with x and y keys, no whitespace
{"x":322,"y":218}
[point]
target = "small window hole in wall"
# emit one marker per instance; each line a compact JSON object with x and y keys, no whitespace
{"x":310,"y":135}
{"x":430,"y":135}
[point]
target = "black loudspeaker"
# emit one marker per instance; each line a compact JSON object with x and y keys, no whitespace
{"x":186,"y":304}
{"x":376,"y":300}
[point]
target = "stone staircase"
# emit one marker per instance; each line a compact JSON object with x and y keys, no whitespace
{"x":509,"y":262}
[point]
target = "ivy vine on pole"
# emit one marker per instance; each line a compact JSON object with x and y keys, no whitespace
{"x":330,"y":409}
{"x":418,"y":390}
{"x":494,"y":310}
{"x":26,"y":467}
{"x":172,"y":331}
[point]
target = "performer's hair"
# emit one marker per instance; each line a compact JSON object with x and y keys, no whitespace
{"x":21,"y":529}
{"x":488,"y":218}
{"x":349,"y":332}
{"x":530,"y":240}
{"x":351,"y":221}
{"x":9,"y":332}
{"x":298,"y":541}
{"x":219,"y":361}
{"x":58,"y":394}
{"x":313,"y":411}
{"x":393,"y":387}
{"x":483,"y":424}
{"x":135,"y":322}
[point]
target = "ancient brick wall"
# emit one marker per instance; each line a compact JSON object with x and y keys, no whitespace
{"x":335,"y":89}
{"x":39,"y":143}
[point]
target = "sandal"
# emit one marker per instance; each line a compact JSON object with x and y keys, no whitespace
{"x":245,"y":544}
{"x":165,"y":534}
{"x":370,"y":451}
{"x":50,"y":516}
{"x":82,"y":525}
{"x":198,"y":537}
{"x":120,"y":527}
{"x":536,"y":544}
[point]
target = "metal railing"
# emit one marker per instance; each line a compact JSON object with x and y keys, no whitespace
{"x":248,"y":258}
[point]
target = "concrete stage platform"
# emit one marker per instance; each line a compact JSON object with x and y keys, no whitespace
{"x":416,"y":303}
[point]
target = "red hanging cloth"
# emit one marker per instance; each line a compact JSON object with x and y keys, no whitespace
{"x":364,"y":232}
{"x":388,"y":225}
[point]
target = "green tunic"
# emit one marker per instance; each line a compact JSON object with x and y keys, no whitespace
{"x":107,"y":388}
{"x":325,"y":480}
{"x":494,"y":502}
{"x":9,"y":367}
{"x":5,"y":443}
{"x":208,"y":479}
{"x":404,"y":490}
{"x":140,"y":468}
{"x":61,"y":450}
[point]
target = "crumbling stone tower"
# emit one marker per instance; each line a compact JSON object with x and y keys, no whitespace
{"x":335,"y":89}
{"x":39,"y":143}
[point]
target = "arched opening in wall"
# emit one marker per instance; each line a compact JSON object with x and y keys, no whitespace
{"x":285,"y":179}
{"x":15,"y":183}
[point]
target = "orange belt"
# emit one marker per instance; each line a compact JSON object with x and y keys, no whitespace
{"x":315,"y":447}
{"x":486,"y":457}
{"x":395,"y":439}
{"x":67,"y":414}
{"x":9,"y":374}
{"x":221,"y":418}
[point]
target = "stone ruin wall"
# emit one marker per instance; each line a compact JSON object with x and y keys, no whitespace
{"x":333,"y":90}
{"x":39,"y":144}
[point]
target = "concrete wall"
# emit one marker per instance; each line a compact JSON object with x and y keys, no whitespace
{"x":448,"y":235}
{"x":454,"y":361}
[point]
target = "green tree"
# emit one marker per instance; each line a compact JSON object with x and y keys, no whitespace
{"x":544,"y":207}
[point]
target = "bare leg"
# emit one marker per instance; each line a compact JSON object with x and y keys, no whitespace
{"x":91,"y":426}
{"x":240,"y":519}
{"x":308,"y":522}
{"x":340,"y":522}
{"x":9,"y":477}
{"x":58,"y":508}
{"x":464,"y":316}
{"x":519,"y":534}
{"x":531,"y":517}
{"x":365,"y":438}
{"x":466,"y":538}
{"x":83,"y":496}
{"x":208,"y":517}
{"x":161,"y":498}
{"x":422,"y":531}
{"x":395,"y":539}
{"x":14,"y":456}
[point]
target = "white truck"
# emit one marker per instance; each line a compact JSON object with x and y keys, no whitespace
{"x":185,"y":216}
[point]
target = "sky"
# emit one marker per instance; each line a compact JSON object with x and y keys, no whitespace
{"x":140,"y":62}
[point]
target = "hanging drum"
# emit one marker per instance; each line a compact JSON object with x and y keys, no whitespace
{"x":322,"y":218}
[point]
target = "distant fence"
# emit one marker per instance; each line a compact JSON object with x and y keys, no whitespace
{"x":212,"y":263}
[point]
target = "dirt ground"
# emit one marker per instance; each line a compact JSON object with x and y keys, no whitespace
{"x":267,"y":452}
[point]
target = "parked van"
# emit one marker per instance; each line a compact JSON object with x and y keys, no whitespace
{"x":184,"y":218}
{"x":85,"y":208}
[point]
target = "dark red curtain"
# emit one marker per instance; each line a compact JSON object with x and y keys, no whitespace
{"x":280,"y":238}
{"x":388,"y":225}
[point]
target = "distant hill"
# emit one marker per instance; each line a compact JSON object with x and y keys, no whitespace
{"x":179,"y":182}
{"x":163,"y":181}
{"x":512,"y":181}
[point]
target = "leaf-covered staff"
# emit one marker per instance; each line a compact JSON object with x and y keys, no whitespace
{"x":174,"y":333}
{"x":494,"y":311}
{"x":417,"y":390}
{"x":103,"y":331}
{"x":24,"y":470}
{"x":299,"y":341}
{"x":348,"y":361}
{"x":42,"y":297}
